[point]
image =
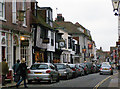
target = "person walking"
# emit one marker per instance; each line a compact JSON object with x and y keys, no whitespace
{"x":23,"y":73}
{"x":5,"y":70}
{"x":17,"y":75}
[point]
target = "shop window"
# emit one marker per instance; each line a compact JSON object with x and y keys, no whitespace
{"x":44,"y":33}
{"x":52,"y":39}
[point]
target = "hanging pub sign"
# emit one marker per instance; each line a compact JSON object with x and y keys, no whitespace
{"x":24,"y":42}
{"x":84,"y":50}
{"x":45,"y":40}
{"x":90,"y":46}
{"x":118,"y":43}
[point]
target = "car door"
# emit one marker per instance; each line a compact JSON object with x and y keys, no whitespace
{"x":69,"y":70}
{"x":54,"y":72}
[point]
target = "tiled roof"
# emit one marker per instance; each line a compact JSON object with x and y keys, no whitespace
{"x":69,"y":26}
{"x":39,"y":20}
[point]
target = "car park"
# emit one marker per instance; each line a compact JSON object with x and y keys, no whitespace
{"x":106,"y":68}
{"x":64,"y":70}
{"x":43,"y":72}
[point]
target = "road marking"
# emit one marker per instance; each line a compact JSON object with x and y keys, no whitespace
{"x":96,"y":87}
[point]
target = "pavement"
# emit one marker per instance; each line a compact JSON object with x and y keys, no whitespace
{"x":115,"y":82}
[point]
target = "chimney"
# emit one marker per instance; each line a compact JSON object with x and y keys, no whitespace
{"x":59,"y":17}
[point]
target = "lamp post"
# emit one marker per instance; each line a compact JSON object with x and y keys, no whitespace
{"x":116,"y":10}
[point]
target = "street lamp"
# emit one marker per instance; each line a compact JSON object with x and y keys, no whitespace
{"x":115,"y":4}
{"x":116,"y":9}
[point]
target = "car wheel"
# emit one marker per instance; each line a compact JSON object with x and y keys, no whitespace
{"x":111,"y":73}
{"x":100,"y":73}
{"x":50,"y":81}
{"x":29,"y":81}
{"x":67,"y":76}
{"x":58,"y":79}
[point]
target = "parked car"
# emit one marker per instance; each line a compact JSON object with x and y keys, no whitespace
{"x":43,"y":72}
{"x":90,"y":67}
{"x":106,"y":68}
{"x":85,"y":67}
{"x":64,"y":70}
{"x":76,"y":71}
{"x":98,"y":66}
{"x":80,"y":69}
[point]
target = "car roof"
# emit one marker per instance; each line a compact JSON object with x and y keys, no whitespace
{"x":43,"y":63}
{"x":61,"y":63}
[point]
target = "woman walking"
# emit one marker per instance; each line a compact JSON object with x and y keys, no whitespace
{"x":23,"y":73}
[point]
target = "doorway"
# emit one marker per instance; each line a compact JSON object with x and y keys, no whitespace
{"x":3,"y":52}
{"x":14,"y":54}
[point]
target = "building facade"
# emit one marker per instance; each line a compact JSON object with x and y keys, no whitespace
{"x":15,"y":32}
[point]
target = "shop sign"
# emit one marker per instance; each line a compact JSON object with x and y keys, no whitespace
{"x":45,"y":40}
{"x":24,"y":42}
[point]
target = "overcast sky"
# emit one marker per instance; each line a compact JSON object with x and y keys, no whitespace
{"x":95,"y":15}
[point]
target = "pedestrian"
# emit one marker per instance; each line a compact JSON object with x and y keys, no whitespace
{"x":5,"y":70}
{"x":23,"y":73}
{"x":17,"y":75}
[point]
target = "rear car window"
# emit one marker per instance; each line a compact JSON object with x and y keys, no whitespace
{"x":72,"y":65}
{"x":60,"y":66}
{"x":39,"y":66}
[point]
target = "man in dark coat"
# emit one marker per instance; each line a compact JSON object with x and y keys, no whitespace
{"x":17,"y":75}
{"x":5,"y":70}
{"x":23,"y":73}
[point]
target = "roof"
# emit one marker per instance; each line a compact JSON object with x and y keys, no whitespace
{"x":38,"y":20}
{"x":69,"y":26}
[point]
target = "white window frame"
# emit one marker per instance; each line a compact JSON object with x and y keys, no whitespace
{"x":24,"y":8}
{"x":14,"y":11}
{"x":2,"y":3}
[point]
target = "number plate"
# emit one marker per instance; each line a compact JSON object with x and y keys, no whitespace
{"x":105,"y":69}
{"x":38,"y":73}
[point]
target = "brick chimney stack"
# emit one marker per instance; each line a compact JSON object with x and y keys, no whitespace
{"x":59,"y":17}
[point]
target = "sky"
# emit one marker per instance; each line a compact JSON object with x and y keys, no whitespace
{"x":95,"y":15}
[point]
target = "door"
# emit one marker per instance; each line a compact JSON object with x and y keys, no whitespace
{"x":3,"y":52}
{"x":14,"y":54}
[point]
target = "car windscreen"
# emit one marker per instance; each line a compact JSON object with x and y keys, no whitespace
{"x":60,"y":66}
{"x":39,"y":66}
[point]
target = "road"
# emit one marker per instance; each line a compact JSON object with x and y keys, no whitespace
{"x":89,"y":81}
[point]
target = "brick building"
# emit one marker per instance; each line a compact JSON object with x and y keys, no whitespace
{"x":15,"y":33}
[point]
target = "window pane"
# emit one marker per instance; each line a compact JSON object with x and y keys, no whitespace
{"x":0,"y":9}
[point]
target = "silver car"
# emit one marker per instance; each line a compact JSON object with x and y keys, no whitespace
{"x":43,"y":72}
{"x":106,"y":69}
{"x":64,"y":70}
